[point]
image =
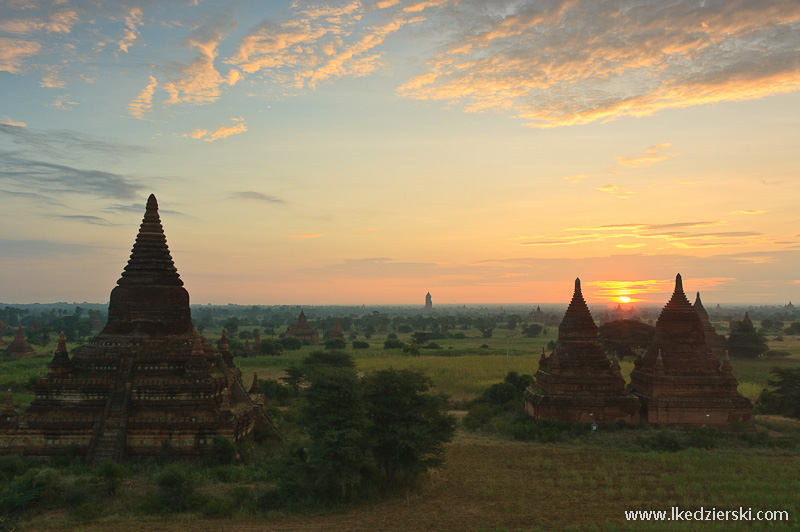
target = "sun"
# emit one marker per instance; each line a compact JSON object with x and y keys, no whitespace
{"x":625,"y":299}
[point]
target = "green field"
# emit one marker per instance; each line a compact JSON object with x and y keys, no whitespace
{"x":488,"y":484}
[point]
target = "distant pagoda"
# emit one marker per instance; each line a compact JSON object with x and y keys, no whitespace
{"x":428,"y":301}
{"x":679,"y":380}
{"x":577,"y":382}
{"x":19,"y":346}
{"x":303,"y":331}
{"x":149,"y":383}
{"x":336,"y":331}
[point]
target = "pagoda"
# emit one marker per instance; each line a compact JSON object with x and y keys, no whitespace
{"x":148,"y":384}
{"x":336,"y":331}
{"x":716,"y":342}
{"x":577,"y":383}
{"x":680,"y":381}
{"x":303,"y":331}
{"x":19,"y":346}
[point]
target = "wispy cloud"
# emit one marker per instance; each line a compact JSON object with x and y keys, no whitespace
{"x":569,"y":62}
{"x":14,"y":51}
{"x":322,"y":43}
{"x":258,"y":196}
{"x":222,"y":132}
{"x":574,"y":179}
{"x":133,"y":19}
{"x":751,"y":212}
{"x":649,"y":157}
{"x":91,"y":220}
{"x":616,"y":190}
{"x":31,"y":174}
{"x":144,"y":101}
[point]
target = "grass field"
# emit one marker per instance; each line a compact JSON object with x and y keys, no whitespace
{"x":491,"y":484}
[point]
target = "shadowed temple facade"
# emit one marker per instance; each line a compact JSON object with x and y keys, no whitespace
{"x":680,"y":380}
{"x":577,"y":383}
{"x":148,"y":383}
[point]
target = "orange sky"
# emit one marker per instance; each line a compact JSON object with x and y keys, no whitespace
{"x":369,"y":152}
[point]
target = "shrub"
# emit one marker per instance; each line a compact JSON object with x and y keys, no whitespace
{"x":335,"y":343}
{"x":500,"y":393}
{"x":393,"y":343}
{"x":290,"y":343}
{"x":432,"y":345}
{"x":357,"y":344}
{"x":222,"y":451}
{"x":275,"y":391}
{"x":661,"y":441}
{"x":175,"y":486}
{"x":478,"y":415}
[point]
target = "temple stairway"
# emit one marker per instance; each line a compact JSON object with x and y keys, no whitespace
{"x":108,"y":437}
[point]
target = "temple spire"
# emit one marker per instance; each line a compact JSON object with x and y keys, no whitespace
{"x":577,"y":325}
{"x":149,"y":297}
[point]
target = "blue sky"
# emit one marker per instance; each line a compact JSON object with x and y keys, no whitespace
{"x":370,"y":152}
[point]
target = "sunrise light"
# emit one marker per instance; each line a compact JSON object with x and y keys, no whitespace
{"x":625,"y":299}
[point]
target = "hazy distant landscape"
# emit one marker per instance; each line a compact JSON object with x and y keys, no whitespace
{"x":497,"y":474}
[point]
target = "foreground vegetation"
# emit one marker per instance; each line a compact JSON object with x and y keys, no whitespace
{"x":501,"y":472}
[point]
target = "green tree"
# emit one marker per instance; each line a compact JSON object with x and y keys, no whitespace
{"x":624,"y":337}
{"x":409,"y":426}
{"x":744,"y":341}
{"x":532,"y":330}
{"x":785,"y":398}
{"x":335,"y":418}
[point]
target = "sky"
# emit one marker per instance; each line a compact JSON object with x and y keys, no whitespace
{"x":369,"y":152}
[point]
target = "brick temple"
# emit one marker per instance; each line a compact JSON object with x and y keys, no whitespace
{"x":303,"y":330}
{"x":577,"y":383}
{"x":19,"y":346}
{"x":148,"y":384}
{"x":680,"y":381}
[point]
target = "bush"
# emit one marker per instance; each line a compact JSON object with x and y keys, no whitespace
{"x":393,"y":343}
{"x":175,"y":487}
{"x":662,"y":441}
{"x":290,"y":343}
{"x":478,"y":415}
{"x":500,"y":393}
{"x":432,"y":345}
{"x":335,"y":343}
{"x":458,"y":336}
{"x":275,"y":391}
{"x":217,"y":508}
{"x":357,"y":344}
{"x":222,"y":451}
{"x":111,"y":475}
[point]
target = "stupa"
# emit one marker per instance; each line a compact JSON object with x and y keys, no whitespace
{"x":679,"y":380}
{"x":148,"y":384}
{"x":303,"y":331}
{"x":577,"y":383}
{"x":19,"y":346}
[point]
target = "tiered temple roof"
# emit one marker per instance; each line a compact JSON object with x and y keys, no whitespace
{"x":148,"y":383}
{"x":680,"y":380}
{"x":303,"y":331}
{"x":577,"y":382}
{"x":19,"y":346}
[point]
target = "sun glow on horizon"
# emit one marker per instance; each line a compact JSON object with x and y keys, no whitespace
{"x":625,"y":299}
